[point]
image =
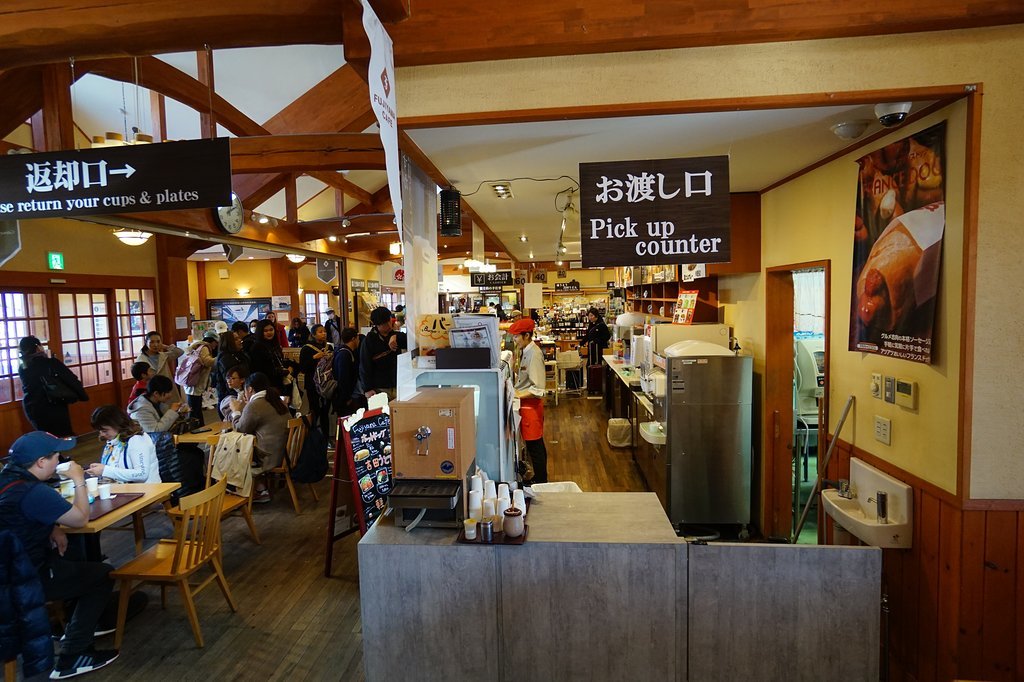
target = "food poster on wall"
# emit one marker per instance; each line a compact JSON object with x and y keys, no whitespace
{"x":897,"y":250}
{"x":367,"y":438}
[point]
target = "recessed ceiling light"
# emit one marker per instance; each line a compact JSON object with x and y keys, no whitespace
{"x":502,"y":190}
{"x":558,"y":262}
{"x":206,"y":259}
{"x":522,"y":238}
{"x":263,"y":220}
{"x":531,"y":255}
{"x":332,"y":238}
{"x":252,"y":257}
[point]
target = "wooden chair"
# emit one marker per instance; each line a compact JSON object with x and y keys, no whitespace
{"x":233,"y":502}
{"x":196,"y":543}
{"x":11,"y":670}
{"x":296,"y":437}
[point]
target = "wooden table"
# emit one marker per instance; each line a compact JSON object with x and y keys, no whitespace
{"x":152,"y":493}
{"x":215,"y":429}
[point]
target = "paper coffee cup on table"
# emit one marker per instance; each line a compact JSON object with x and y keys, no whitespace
{"x":93,"y":485}
{"x":67,"y":488}
{"x":105,"y":493}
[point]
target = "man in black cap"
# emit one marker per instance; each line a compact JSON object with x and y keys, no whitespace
{"x":333,"y":327}
{"x":378,"y":356}
{"x":31,"y":510}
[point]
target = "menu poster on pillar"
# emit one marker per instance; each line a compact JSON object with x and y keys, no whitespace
{"x":167,"y":176}
{"x":367,"y":440}
{"x":661,"y":211}
{"x":897,"y":246}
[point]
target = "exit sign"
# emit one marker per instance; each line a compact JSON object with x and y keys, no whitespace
{"x":55,"y":260}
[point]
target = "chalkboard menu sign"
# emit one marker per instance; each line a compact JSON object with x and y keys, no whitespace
{"x":368,"y":450}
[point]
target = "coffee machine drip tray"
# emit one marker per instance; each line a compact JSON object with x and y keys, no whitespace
{"x":442,"y":500}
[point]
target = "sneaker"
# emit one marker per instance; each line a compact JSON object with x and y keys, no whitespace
{"x":71,"y":665}
{"x":261,"y":496}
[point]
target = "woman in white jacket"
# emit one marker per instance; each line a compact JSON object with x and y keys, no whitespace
{"x":129,"y":455}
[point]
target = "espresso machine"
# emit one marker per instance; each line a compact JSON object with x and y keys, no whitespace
{"x":433,"y":444}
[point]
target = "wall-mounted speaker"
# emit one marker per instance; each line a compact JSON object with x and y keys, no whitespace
{"x":451,"y":213}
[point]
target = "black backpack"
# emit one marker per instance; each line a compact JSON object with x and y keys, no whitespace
{"x":311,"y":466}
{"x":181,"y":464}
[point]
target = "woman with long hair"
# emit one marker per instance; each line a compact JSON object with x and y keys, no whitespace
{"x":229,"y":354}
{"x":266,"y":357}
{"x":298,"y":334}
{"x":129,"y":455}
{"x":309,"y":359}
{"x":282,"y":335}
{"x":266,"y":417}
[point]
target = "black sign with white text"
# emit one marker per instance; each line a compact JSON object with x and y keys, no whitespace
{"x":326,"y":270}
{"x":655,"y":211}
{"x":129,"y":179}
{"x":491,"y":279}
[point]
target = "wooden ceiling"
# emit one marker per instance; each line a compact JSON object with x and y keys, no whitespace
{"x":36,"y":42}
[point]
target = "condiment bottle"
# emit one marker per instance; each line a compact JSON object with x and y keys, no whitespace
{"x":486,"y":531}
{"x":513,"y":525}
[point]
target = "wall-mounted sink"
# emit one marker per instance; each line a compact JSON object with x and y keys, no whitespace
{"x":653,"y":432}
{"x":859,"y":515}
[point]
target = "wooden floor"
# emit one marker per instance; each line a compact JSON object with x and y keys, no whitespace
{"x":293,"y":623}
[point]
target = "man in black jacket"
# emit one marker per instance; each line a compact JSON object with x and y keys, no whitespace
{"x":378,"y":358}
{"x":31,"y":510}
{"x":38,"y":370}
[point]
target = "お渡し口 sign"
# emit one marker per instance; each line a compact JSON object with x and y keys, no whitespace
{"x":655,"y":211}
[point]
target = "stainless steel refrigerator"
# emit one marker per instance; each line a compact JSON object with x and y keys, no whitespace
{"x":707,"y":427}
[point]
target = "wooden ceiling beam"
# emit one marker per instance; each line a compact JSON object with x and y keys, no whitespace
{"x":453,"y":31}
{"x":338,"y":103}
{"x":34,"y":33}
{"x":322,"y":151}
{"x":321,"y":229}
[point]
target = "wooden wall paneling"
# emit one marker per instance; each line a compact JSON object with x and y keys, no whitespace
{"x":927,"y":586}
{"x":104,"y":394}
{"x":948,"y":611}
{"x":1000,"y":585}
{"x":204,"y":70}
{"x":745,"y":237}
{"x":893,"y":561}
{"x":972,"y":593}
{"x":279,"y":284}
{"x":12,"y":424}
{"x":1020,"y":597}
{"x":171,"y":290}
{"x":201,"y":285}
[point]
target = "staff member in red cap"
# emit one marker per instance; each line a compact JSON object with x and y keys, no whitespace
{"x":530,"y":391}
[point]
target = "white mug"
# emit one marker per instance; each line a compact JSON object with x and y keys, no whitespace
{"x":92,"y":484}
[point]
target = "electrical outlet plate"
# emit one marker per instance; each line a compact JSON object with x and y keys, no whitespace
{"x":883,"y":430}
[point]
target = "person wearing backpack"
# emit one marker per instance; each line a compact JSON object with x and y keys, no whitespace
{"x":44,"y":407}
{"x":193,"y":373}
{"x":229,"y":354}
{"x":348,"y":396}
{"x":314,"y":355}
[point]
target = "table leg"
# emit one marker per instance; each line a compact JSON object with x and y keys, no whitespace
{"x":139,"y":529}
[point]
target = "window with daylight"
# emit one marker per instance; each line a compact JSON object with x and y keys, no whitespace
{"x":135,"y":316}
{"x":85,"y":336}
{"x":316,"y":306}
{"x":21,"y":314}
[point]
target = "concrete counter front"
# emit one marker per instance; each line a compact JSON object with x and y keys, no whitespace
{"x":604,"y":590}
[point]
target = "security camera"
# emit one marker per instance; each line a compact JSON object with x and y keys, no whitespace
{"x":891,"y":114}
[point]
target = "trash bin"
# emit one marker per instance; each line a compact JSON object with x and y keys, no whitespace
{"x":620,"y":433}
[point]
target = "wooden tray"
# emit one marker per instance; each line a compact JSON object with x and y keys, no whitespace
{"x":100,"y":507}
{"x":499,"y":537}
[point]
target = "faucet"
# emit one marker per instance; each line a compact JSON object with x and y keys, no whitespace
{"x":881,"y":500}
{"x":844,"y":489}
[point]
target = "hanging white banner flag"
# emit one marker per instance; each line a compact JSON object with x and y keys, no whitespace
{"x":381,"y":79}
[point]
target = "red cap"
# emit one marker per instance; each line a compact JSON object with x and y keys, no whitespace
{"x":521,"y":326}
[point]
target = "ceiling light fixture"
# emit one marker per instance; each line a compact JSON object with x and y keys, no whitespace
{"x":345,"y":222}
{"x":395,"y":248}
{"x":558,"y":262}
{"x":295,"y":257}
{"x":561,"y":248}
{"x":263,"y":220}
{"x":522,"y":238}
{"x":332,"y":238}
{"x":242,"y":291}
{"x":531,"y":255}
{"x":252,"y":257}
{"x":132,"y":237}
{"x":503,"y":190}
